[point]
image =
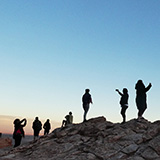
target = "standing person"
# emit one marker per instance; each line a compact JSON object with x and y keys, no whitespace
{"x":123,"y":102}
{"x":141,"y":97}
{"x":69,"y":119}
{"x":86,"y":100}
{"x":47,"y":127}
{"x":18,"y":131}
{"x":37,"y":126}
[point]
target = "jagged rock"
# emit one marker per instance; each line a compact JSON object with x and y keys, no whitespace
{"x":155,"y":145}
{"x":150,"y":154}
{"x":96,"y":139}
{"x":130,"y":149}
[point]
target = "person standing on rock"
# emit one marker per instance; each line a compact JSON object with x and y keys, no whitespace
{"x":37,"y":126}
{"x":123,"y":102}
{"x":141,"y":97}
{"x":86,"y":100}
{"x":18,"y":131}
{"x":47,"y":127}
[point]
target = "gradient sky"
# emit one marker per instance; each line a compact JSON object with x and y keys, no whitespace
{"x":52,"y":50}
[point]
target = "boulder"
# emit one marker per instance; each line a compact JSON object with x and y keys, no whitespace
{"x":5,"y":142}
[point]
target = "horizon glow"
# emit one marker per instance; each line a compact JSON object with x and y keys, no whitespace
{"x":51,"y":51}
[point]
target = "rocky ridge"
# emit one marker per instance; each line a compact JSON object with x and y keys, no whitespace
{"x":96,"y":139}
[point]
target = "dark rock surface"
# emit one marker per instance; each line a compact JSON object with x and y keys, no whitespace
{"x":96,"y":139}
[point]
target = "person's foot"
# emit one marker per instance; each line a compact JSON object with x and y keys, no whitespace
{"x":84,"y":120}
{"x":123,"y":122}
{"x":140,"y":118}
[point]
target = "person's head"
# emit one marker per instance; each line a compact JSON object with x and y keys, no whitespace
{"x":47,"y":120}
{"x":125,"y":91}
{"x":70,"y":113}
{"x":36,"y":118}
{"x":140,"y":82}
{"x":16,"y":121}
{"x":87,"y":90}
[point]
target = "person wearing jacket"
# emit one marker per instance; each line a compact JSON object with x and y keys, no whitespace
{"x":86,"y":100}
{"x":69,"y":120}
{"x":18,"y":130}
{"x":47,"y":127}
{"x":123,"y":102}
{"x":141,"y":97}
{"x":37,"y":126}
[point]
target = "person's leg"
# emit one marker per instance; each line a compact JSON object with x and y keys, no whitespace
{"x":123,"y":113}
{"x":144,"y":108}
{"x":36,"y":132}
{"x":17,"y":141}
{"x":139,"y":106}
{"x":142,"y":111}
{"x":139,"y":112}
{"x":86,"y":108}
{"x":63,"y":123}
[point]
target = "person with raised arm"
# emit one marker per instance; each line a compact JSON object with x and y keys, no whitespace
{"x":141,"y":97}
{"x":123,"y":102}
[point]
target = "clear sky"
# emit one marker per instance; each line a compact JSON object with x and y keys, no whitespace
{"x":52,"y":50}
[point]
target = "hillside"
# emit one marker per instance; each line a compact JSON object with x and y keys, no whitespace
{"x":96,"y":139}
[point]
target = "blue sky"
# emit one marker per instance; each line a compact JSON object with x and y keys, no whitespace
{"x":51,"y":51}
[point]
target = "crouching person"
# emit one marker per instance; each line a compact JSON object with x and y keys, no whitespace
{"x":69,"y":119}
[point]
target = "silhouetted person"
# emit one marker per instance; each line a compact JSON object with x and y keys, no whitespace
{"x":18,"y":131}
{"x":37,"y":126}
{"x":69,"y":119}
{"x":123,"y":102}
{"x":47,"y":127}
{"x":86,"y":100}
{"x":141,"y":97}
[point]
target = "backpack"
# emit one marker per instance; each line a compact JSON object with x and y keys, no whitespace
{"x":18,"y":133}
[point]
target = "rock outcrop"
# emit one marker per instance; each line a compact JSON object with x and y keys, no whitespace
{"x":5,"y":142}
{"x":96,"y":139}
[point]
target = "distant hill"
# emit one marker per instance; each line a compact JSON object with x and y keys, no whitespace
{"x":96,"y":139}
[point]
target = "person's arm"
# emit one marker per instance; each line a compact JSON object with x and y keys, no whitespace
{"x":91,"y":100}
{"x":119,"y":92}
{"x":40,"y":125}
{"x":44,"y":126}
{"x":148,"y":87}
{"x":25,"y":122}
{"x":33,"y":125}
{"x":83,"y":98}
